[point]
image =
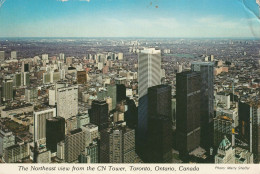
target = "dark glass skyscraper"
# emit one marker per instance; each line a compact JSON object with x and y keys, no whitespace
{"x":99,"y":114}
{"x":159,"y":139}
{"x":159,"y":101}
{"x":206,"y":70}
{"x":188,"y":86}
{"x":149,"y":64}
{"x":55,"y":132}
{"x":120,"y":92}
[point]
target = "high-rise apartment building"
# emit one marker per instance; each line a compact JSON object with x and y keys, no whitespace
{"x":188,"y":86}
{"x":206,"y":70}
{"x":67,"y":101}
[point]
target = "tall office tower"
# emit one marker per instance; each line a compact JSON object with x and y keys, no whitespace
{"x":99,"y":114}
{"x":55,"y":132}
{"x":74,"y":145}
{"x":40,"y":122}
{"x":7,"y":139}
{"x":160,"y":139}
{"x":117,"y":145}
{"x":249,"y":126}
{"x":188,"y":86}
{"x":81,"y":77}
{"x":13,"y":55}
{"x":62,"y":57}
{"x":120,"y":93}
{"x":7,"y":89}
{"x":67,"y":101}
{"x":159,"y":101}
{"x":223,"y":126}
{"x":149,"y":64}
{"x":2,"y":56}
{"x":206,"y":70}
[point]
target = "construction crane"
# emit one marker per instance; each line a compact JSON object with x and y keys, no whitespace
{"x":2,"y":2}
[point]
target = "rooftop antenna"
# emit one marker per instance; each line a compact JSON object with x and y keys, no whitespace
{"x":2,"y":2}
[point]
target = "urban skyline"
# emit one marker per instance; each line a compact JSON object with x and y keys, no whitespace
{"x":91,"y":81}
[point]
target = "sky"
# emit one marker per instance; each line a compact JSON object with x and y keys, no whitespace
{"x":130,"y":18}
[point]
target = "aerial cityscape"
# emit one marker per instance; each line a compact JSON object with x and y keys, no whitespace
{"x":190,"y":98}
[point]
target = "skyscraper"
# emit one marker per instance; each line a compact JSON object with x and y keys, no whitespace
{"x":206,"y":70}
{"x":40,"y":122}
{"x":55,"y":132}
{"x":120,"y":92}
{"x":74,"y":145}
{"x":188,"y":86}
{"x":7,"y":89}
{"x":159,"y":101}
{"x":149,"y":64}
{"x":160,"y":139}
{"x":99,"y":114}
{"x":117,"y":145}
{"x":249,"y":126}
{"x":67,"y":101}
{"x":2,"y":56}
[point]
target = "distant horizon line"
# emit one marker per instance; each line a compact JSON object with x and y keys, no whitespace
{"x":129,"y":37}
